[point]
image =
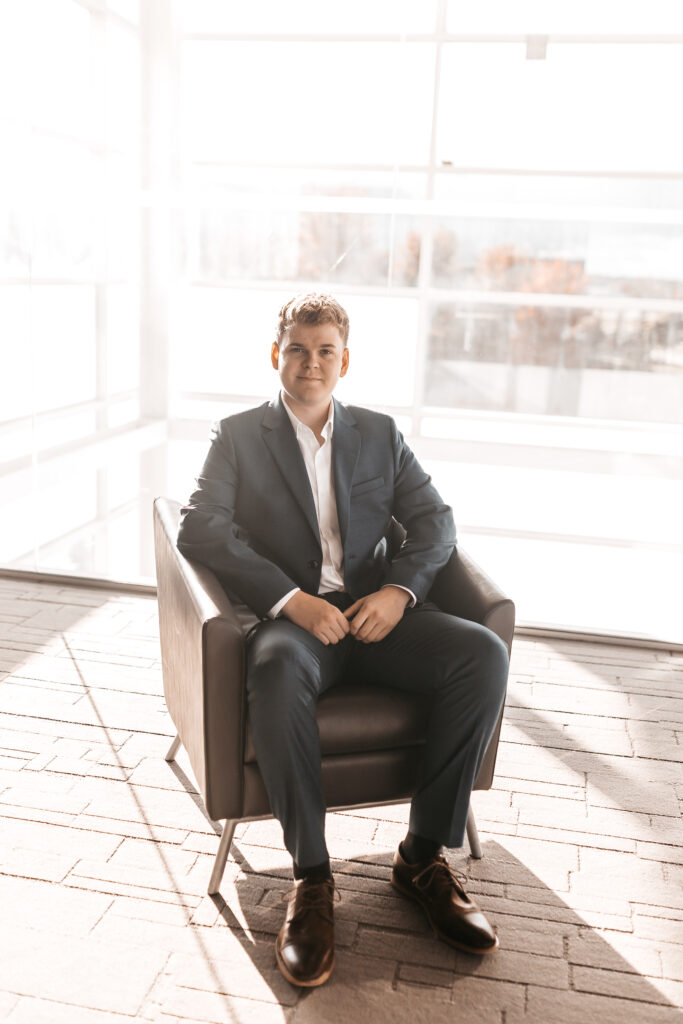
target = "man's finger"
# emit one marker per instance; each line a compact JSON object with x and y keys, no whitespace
{"x":369,"y":637}
{"x":341,"y":622}
{"x":377,"y":629}
{"x":338,"y":626}
{"x":359,"y":622}
{"x":352,"y":609}
{"x":367,"y":627}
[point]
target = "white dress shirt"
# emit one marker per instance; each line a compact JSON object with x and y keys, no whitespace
{"x":318,"y":461}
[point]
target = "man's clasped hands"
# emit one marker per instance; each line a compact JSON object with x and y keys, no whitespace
{"x":368,"y":619}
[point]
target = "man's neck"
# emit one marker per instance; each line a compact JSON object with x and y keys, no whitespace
{"x":314,"y":417}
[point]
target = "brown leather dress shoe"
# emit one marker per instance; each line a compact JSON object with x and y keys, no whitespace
{"x":305,"y":945}
{"x":453,"y":915}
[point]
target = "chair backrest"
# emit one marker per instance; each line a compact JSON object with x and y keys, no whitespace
{"x":202,"y":655}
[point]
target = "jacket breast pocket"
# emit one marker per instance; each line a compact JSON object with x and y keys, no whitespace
{"x":363,"y":486}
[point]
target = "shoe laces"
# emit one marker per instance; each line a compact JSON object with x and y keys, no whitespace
{"x":440,"y":869}
{"x":313,"y":897}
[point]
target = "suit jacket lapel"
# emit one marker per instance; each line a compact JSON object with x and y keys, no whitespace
{"x":345,"y":449}
{"x":284,"y":447}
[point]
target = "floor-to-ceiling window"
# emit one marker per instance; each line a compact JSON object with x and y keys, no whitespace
{"x":494,"y":191}
{"x":69,"y":283}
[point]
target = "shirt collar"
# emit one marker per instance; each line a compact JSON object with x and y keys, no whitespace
{"x":299,"y":427}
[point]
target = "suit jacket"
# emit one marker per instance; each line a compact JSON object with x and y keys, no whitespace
{"x":252,"y":518}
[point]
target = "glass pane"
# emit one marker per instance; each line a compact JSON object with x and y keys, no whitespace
{"x":16,"y":397}
{"x":63,"y":338}
{"x":382,"y":346}
{"x":45,"y":65}
{"x":539,"y":16}
{"x":65,"y":212}
{"x":559,"y":257}
{"x":208,"y":409}
{"x":17,"y":22}
{"x":122,"y":482}
{"x":305,"y":16}
{"x":129,"y":9}
{"x":186,"y":457}
{"x":120,"y":545}
{"x":585,"y":107}
{"x":18,"y":529}
{"x":221,"y":338}
{"x":15,"y":201}
{"x":560,"y":195}
{"x":122,"y":218}
{"x":598,"y":363}
{"x":60,"y":428}
{"x":300,"y":103}
{"x":14,"y":241}
{"x":620,"y":506}
{"x":61,"y":63}
{"x":16,"y":441}
{"x":123,"y":412}
{"x":337,"y":248}
{"x":607,"y":525}
{"x":560,"y":433}
{"x":69,"y":531}
{"x":65,"y":542}
{"x":123,"y":339}
{"x":123,"y":88}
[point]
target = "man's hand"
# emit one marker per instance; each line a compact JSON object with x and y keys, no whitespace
{"x":319,"y":617}
{"x":374,"y":616}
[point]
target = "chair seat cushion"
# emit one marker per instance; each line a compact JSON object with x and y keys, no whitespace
{"x":355,"y":717}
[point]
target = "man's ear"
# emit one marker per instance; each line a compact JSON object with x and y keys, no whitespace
{"x":274,"y":354}
{"x":345,"y":363}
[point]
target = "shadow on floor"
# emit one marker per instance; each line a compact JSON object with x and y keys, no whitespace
{"x":639,"y":717}
{"x":552,"y":968}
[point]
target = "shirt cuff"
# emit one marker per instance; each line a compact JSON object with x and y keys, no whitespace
{"x":413,"y":599}
{"x":277,"y":608}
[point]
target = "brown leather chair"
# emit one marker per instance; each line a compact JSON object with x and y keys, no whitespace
{"x":371,"y":737}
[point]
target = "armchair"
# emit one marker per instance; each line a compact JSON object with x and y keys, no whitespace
{"x":371,"y":737}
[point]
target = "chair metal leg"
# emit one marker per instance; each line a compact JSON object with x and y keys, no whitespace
{"x":473,"y":835}
{"x":221,"y":856}
{"x":173,"y":749}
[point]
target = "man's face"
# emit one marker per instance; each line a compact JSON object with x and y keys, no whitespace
{"x":310,"y":360}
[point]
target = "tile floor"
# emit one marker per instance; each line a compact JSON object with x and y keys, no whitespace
{"x":105,"y":854}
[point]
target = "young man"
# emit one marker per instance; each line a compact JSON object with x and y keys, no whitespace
{"x":291,"y":508}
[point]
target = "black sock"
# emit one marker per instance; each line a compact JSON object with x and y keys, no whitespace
{"x":416,"y":849}
{"x":316,"y":873}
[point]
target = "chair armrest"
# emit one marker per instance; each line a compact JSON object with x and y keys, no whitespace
{"x":203,"y":655}
{"x":462,"y":588}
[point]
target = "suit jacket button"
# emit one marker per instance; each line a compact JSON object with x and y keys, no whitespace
{"x":314,"y":564}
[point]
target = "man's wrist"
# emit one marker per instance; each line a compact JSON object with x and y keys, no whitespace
{"x":279,"y":607}
{"x":409,"y":597}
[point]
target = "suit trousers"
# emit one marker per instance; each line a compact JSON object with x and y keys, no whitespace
{"x":462,"y":664}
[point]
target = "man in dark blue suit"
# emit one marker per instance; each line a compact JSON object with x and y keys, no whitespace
{"x":291,"y":511}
